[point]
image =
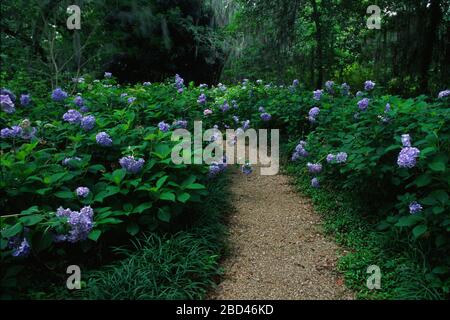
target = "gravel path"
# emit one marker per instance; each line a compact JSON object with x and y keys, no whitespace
{"x":278,"y":250}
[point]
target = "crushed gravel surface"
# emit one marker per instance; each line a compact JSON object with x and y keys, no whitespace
{"x":278,"y":249}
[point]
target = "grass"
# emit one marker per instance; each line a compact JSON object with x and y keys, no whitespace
{"x":404,"y":274}
{"x":163,"y":266}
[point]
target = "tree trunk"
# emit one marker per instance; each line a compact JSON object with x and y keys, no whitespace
{"x":319,"y":47}
{"x":434,"y":20}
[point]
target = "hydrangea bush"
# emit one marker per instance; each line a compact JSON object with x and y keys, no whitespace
{"x":76,"y":169}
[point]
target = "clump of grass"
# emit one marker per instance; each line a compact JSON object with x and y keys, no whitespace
{"x":164,"y":266}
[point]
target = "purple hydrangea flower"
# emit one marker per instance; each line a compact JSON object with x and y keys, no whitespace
{"x":25,"y":99}
{"x":359,"y":94}
{"x":345,"y":89}
{"x":236,"y":119}
{"x":329,"y":86}
{"x":225,"y":107}
{"x":72,"y":116}
{"x":180,"y":124}
{"x":314,"y":112}
{"x":415,"y":207}
{"x":266,"y":116}
{"x":203,"y":86}
{"x":295,"y":83}
{"x":406,"y":140}
{"x":179,"y":83}
{"x":387,"y":108}
{"x":299,"y":151}
{"x":369,"y":85}
{"x":13,"y":132}
{"x":245,"y":124}
{"x":131,"y":100}
{"x":131,"y":165}
{"x":123,"y":95}
{"x":261,"y":109}
{"x":207,"y":112}
{"x":21,"y":247}
{"x":12,"y":96}
{"x":444,"y":94}
{"x":317,"y":94}
{"x":246,"y":169}
{"x":408,"y":157}
{"x":84,"y":109}
{"x":108,"y":75}
{"x":7,"y":104}
{"x":331,"y":158}
{"x":78,"y":101}
{"x":80,"y":222}
{"x":341,"y":157}
{"x":82,"y":192}
{"x":215,"y":168}
{"x":103,"y":139}
{"x":315,"y":183}
{"x":235,"y":105}
{"x":164,"y":127}
{"x":363,"y":104}
{"x":314,"y":167}
{"x":88,"y":123}
{"x":202,"y":99}
{"x":59,"y":95}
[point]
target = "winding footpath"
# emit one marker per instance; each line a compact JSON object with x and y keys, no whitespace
{"x":278,"y":249}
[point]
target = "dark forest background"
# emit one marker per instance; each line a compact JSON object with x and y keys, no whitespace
{"x":227,"y":40}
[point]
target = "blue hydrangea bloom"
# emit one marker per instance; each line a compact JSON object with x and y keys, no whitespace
{"x":345,"y":89}
{"x":12,"y":96}
{"x":103,"y":139}
{"x":341,"y":157}
{"x":59,"y":95}
{"x":72,"y":116}
{"x":164,"y":127}
{"x":25,"y":99}
{"x":331,"y":158}
{"x":78,"y":101}
{"x":314,"y":167}
{"x":202,"y":99}
{"x":80,"y":222}
{"x":180,"y":124}
{"x":246,"y":169}
{"x":329,"y":86}
{"x":408,"y":157}
{"x":88,"y":123}
{"x":315,"y":183}
{"x":369,"y":85}
{"x":415,"y":207}
{"x":406,"y":140}
{"x":317,"y":94}
{"x":225,"y":107}
{"x":7,"y":104}
{"x":21,"y":247}
{"x":266,"y":116}
{"x":295,"y":82}
{"x":363,"y":104}
{"x":131,"y":165}
{"x":82,"y":192}
{"x":13,"y":132}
